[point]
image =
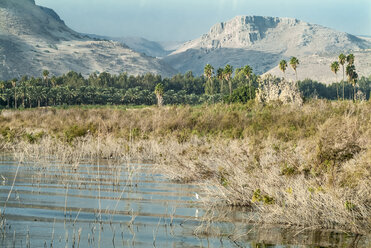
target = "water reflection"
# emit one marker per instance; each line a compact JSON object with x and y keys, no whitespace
{"x":105,"y":205}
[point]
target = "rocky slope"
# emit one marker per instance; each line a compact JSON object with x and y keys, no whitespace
{"x":34,"y":38}
{"x":140,"y":45}
{"x":159,"y":49}
{"x":263,"y":41}
{"x":150,"y":48}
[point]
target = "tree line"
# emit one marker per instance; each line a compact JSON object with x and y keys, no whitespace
{"x":224,"y":84}
{"x":349,"y":71}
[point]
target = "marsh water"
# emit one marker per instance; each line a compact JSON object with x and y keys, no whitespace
{"x":51,"y":204}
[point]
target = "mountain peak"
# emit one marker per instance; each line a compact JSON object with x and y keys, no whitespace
{"x":279,"y":35}
{"x":24,"y":19}
{"x":262,"y":42}
{"x":244,"y":30}
{"x":34,"y":38}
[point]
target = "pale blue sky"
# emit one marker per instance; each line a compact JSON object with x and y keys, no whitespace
{"x":180,"y":20}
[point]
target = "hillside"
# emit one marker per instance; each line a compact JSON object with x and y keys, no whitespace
{"x":263,"y":41}
{"x":34,"y":38}
{"x":140,"y":45}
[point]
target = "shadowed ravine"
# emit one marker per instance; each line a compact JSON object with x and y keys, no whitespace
{"x":101,"y":205}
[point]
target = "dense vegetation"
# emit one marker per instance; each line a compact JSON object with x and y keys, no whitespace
{"x":104,"y":88}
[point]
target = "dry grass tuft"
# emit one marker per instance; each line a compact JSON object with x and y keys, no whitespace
{"x":308,"y":166}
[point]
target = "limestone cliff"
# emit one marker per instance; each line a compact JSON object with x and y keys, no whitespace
{"x":262,"y":42}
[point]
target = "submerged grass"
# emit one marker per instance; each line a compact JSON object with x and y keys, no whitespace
{"x":308,"y":166}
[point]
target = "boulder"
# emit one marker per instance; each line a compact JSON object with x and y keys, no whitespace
{"x":272,"y":88}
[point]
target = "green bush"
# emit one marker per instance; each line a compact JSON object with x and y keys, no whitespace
{"x":241,"y":95}
{"x":259,"y":197}
{"x":33,"y":138}
{"x":8,"y":134}
{"x":72,"y":132}
{"x":288,"y":170}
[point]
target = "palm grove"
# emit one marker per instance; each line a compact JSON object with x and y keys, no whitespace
{"x":223,"y":84}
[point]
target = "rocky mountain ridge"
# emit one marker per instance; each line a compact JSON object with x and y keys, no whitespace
{"x":142,"y":45}
{"x":34,"y":38}
{"x":263,"y":41}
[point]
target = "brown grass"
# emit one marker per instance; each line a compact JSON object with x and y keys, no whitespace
{"x":308,"y":166}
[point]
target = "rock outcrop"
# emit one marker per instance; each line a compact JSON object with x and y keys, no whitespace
{"x":34,"y":38}
{"x":272,"y":88}
{"x":262,"y":42}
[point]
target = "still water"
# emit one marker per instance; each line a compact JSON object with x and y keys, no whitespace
{"x":49,"y":204}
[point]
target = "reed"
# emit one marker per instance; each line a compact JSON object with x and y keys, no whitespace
{"x":307,"y":166}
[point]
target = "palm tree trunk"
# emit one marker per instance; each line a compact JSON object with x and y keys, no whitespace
{"x":337,"y":88}
{"x":296,"y":74}
{"x":230,"y":87}
{"x":159,"y":100}
{"x":250,"y":89}
{"x":343,"y":84}
{"x":354,"y":92}
{"x":212,"y":86}
{"x":343,"y":73}
{"x":15,"y":99}
{"x":343,"y":90}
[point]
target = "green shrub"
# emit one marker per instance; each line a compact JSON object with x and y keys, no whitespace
{"x":259,"y":197}
{"x":241,"y":95}
{"x":288,"y":170}
{"x":33,"y":138}
{"x":72,"y":132}
{"x":8,"y":134}
{"x":349,"y":205}
{"x":183,"y":136}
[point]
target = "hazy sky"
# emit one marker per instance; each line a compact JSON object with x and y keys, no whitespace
{"x":180,"y":20}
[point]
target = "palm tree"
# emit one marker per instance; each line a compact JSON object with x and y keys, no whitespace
{"x":208,"y":72}
{"x":53,"y":81}
{"x":45,"y":75}
{"x":283,"y":66}
{"x":2,"y":86}
{"x":8,"y":95}
{"x":342,"y":59}
{"x":350,"y":59}
{"x":247,"y":71}
{"x":159,"y":91}
{"x":38,"y":91}
{"x":2,"y":93}
{"x":228,"y":71}
{"x":352,"y":78}
{"x":23,"y":88}
{"x":219,"y":75}
{"x":22,"y":91}
{"x":335,"y":69}
{"x":14,"y":84}
{"x":45,"y":94}
{"x":294,"y":62}
{"x":30,"y":93}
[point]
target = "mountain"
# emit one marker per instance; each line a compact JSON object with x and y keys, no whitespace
{"x":263,"y":41}
{"x":145,"y":46}
{"x":34,"y":38}
{"x":157,"y":49}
